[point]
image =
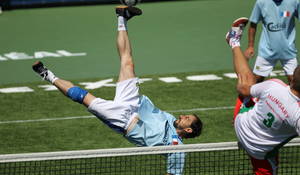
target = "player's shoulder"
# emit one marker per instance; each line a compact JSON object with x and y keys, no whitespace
{"x":261,"y":4}
{"x":277,"y":82}
{"x":291,"y":4}
{"x":293,"y":1}
{"x":296,"y":3}
{"x":271,"y":84}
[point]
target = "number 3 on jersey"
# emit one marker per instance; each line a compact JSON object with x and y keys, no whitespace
{"x":269,"y":121}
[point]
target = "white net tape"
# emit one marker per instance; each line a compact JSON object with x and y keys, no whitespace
{"x":126,"y":151}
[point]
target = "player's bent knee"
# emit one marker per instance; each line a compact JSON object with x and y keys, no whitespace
{"x":76,"y":94}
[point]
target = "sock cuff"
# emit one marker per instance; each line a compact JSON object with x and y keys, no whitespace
{"x":54,"y":79}
{"x":122,"y":23}
{"x":234,"y":43}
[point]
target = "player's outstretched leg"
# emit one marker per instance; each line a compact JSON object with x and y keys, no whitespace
{"x":123,"y":44}
{"x":244,"y":73}
{"x":66,"y":87}
{"x":234,"y":35}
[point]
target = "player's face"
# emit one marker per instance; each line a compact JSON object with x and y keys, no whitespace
{"x":184,"y":121}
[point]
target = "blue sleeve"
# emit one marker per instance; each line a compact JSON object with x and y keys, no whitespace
{"x":256,"y":14}
{"x":175,"y":163}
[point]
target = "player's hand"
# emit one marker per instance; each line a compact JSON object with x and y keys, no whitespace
{"x":249,"y":52}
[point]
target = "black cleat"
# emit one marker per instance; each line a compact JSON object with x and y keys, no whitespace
{"x":40,"y":69}
{"x":128,"y":11}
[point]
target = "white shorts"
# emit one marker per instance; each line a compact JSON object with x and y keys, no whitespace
{"x":263,"y":67}
{"x":118,"y":113}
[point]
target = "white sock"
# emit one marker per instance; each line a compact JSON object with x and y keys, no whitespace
{"x":122,"y":23}
{"x":233,"y":42}
{"x":50,"y":77}
{"x":54,"y":79}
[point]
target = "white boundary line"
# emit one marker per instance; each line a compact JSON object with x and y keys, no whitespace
{"x":46,"y":119}
{"x":203,"y":109}
{"x":85,"y":117}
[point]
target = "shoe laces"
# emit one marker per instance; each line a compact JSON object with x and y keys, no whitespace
{"x":44,"y":74}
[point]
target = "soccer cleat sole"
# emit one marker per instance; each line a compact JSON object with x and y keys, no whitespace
{"x":128,"y":11}
{"x":240,"y":22}
{"x":37,"y":66}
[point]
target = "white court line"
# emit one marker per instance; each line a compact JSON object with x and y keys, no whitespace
{"x":203,"y":109}
{"x":84,"y":117}
{"x":46,"y":119}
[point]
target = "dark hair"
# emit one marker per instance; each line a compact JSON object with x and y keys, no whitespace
{"x":196,"y":127}
{"x":295,"y":84}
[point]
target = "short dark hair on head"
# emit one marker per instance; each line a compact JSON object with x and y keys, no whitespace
{"x":196,"y":127}
{"x":295,"y":84}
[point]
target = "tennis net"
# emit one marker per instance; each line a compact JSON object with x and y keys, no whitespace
{"x":209,"y":158}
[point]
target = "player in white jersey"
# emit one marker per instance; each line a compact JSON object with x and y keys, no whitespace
{"x":277,"y":40}
{"x":264,"y":127}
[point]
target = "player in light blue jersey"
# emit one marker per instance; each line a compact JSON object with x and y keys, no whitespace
{"x":277,"y":41}
{"x":131,"y":114}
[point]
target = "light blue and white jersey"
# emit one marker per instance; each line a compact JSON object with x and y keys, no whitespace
{"x":277,"y":40}
{"x":155,"y":128}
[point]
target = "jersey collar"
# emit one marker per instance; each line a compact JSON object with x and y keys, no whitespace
{"x":293,"y":95}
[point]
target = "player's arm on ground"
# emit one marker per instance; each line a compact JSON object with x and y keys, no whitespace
{"x":245,"y":76}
